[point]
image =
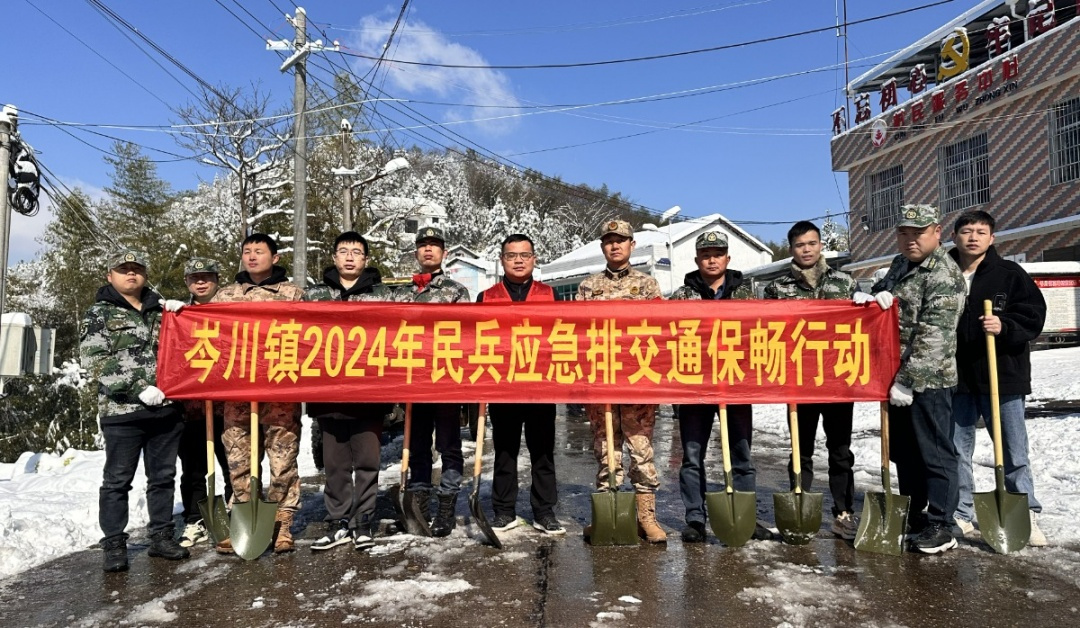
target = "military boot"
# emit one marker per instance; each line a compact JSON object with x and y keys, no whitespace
{"x":445,"y":521}
{"x":163,"y":545}
{"x":646,"y":518}
{"x":115,"y":548}
{"x":422,"y":497}
{"x":283,"y":541}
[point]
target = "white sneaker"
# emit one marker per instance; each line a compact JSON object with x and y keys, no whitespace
{"x":193,"y":533}
{"x":966,"y":527}
{"x":337,"y":533}
{"x":845,"y":526}
{"x":1037,"y":538}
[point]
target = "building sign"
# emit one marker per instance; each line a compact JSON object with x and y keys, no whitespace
{"x":1062,"y":295}
{"x":879,"y":132}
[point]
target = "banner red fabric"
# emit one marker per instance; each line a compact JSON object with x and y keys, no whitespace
{"x":575,"y":352}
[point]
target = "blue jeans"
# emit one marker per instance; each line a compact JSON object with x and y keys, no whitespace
{"x":695,"y":429}
{"x":157,"y":437}
{"x":921,"y":445}
{"x":967,"y":408}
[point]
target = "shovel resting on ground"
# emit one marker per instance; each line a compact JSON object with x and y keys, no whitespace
{"x":474,"y":497}
{"x":614,"y":513}
{"x":252,"y":524}
{"x":408,"y":511}
{"x":798,"y":514}
{"x":732,"y":514}
{"x":884,"y":515}
{"x":212,"y":506}
{"x":1003,"y":516}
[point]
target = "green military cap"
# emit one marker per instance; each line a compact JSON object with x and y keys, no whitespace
{"x":201,"y":265}
{"x":618,"y":227}
{"x":430,"y":233}
{"x":711,"y":240}
{"x":919,"y":216}
{"x":128,"y":256}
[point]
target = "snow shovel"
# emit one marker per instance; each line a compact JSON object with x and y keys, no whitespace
{"x":408,"y":511}
{"x":474,"y":497}
{"x":884,"y":515}
{"x":1003,"y":516}
{"x":252,"y":524}
{"x":798,"y":514}
{"x":732,"y":514}
{"x":614,"y":513}
{"x":212,"y":506}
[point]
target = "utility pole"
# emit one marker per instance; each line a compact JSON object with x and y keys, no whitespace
{"x":346,"y":212}
{"x":9,"y":117}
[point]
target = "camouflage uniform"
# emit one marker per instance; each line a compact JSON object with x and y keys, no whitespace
{"x":819,"y":282}
{"x":439,"y":289}
{"x":632,"y":422}
{"x":281,"y":434}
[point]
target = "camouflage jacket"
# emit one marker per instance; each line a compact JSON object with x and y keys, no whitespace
{"x":119,"y":349}
{"x":831,"y":284}
{"x":439,"y":289}
{"x":694,"y":287}
{"x":364,"y":289}
{"x":626,"y":284}
{"x":931,"y":297}
{"x":274,"y":288}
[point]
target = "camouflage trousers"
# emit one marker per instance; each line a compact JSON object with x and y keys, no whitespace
{"x":632,"y":423}
{"x":279,"y":440}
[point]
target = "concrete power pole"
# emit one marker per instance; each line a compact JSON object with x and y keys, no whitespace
{"x":8,"y":119}
{"x":346,"y":212}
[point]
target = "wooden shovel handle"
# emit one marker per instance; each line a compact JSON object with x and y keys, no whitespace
{"x":995,"y":404}
{"x":725,"y":446}
{"x":477,"y":464}
{"x":254,"y":441}
{"x":884,"y":433}
{"x":208,"y":407}
{"x":610,"y":442}
{"x":405,"y":445}
{"x":796,"y":461}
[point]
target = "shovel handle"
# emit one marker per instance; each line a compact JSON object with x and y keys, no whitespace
{"x":478,"y":463}
{"x":725,"y":446}
{"x":208,"y":407}
{"x":995,"y":404}
{"x":405,"y":446}
{"x":796,"y":461}
{"x":610,"y":444}
{"x":254,"y":442}
{"x":884,"y":433}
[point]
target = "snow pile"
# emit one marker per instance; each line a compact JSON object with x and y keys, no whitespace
{"x":416,"y":598}
{"x":806,"y":595}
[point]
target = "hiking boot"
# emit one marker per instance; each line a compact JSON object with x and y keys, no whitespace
{"x":762,"y":531}
{"x":694,"y":532}
{"x":934,"y":539}
{"x":502,"y":523}
{"x":646,"y":517}
{"x":445,"y":521}
{"x":422,"y":497}
{"x":115,"y":548}
{"x":1037,"y":538}
{"x":224,"y":547}
{"x":845,"y":526}
{"x":283,"y":541}
{"x":194,"y":532}
{"x":337,"y":533}
{"x":163,"y":545}
{"x":967,"y":528}
{"x":548,"y":524}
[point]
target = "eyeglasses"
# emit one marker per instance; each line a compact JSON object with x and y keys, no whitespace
{"x":513,"y":256}
{"x":354,"y":253}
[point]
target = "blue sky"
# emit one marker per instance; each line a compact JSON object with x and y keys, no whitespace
{"x":757,"y":152}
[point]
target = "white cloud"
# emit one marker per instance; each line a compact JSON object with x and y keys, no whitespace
{"x":25,"y":231}
{"x":416,"y":41}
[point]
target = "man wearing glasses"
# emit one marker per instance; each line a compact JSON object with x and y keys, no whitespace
{"x":508,"y":420}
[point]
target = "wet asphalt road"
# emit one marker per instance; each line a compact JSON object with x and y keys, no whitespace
{"x":549,"y":581}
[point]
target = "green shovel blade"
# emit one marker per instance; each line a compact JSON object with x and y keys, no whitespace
{"x":1003,"y":517}
{"x":215,"y":518}
{"x":883,"y":524}
{"x":252,"y":524}
{"x":614,"y":520}
{"x":732,"y":516}
{"x":798,"y":516}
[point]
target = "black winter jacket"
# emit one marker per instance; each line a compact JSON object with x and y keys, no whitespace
{"x":1019,"y":303}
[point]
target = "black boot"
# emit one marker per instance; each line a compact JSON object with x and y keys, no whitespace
{"x":115,"y":548}
{"x":422,"y":497}
{"x":445,"y":521}
{"x":163,"y":545}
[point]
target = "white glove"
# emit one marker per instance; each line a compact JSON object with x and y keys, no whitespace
{"x":153,"y":396}
{"x":900,"y":395}
{"x":862,"y":298}
{"x":172,"y":305}
{"x":884,"y":299}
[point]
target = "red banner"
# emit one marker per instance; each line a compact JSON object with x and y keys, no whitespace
{"x":577,"y":352}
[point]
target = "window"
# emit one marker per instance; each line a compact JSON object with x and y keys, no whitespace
{"x":1065,"y":142}
{"x":567,"y":292}
{"x":884,"y":196}
{"x":964,"y":174}
{"x":411,"y":226}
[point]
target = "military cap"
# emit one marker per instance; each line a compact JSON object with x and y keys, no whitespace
{"x":201,"y":265}
{"x":918,"y":216}
{"x":618,"y":227}
{"x":128,"y":256}
{"x":711,"y":240}
{"x":430,"y":233}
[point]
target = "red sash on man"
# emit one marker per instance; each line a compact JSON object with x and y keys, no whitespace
{"x":537,"y":292}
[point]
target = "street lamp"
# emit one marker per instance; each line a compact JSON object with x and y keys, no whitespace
{"x":396,"y":164}
{"x":666,"y":217}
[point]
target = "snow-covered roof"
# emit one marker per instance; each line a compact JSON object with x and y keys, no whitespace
{"x":487,"y":266}
{"x":781,"y":265}
{"x":17,"y":319}
{"x":387,"y":205}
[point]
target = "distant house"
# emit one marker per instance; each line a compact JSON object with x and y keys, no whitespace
{"x":762,"y":275}
{"x":464,"y":265}
{"x":416,"y":213}
{"x":653,"y":256}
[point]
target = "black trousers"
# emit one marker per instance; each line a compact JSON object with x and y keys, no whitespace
{"x":444,"y":419}
{"x":507,"y":422}
{"x":921,"y":445}
{"x":351,"y":457}
{"x":193,"y":462}
{"x":836,"y":421}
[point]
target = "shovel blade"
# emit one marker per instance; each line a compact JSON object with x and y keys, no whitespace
{"x":732,"y":516}
{"x":883,"y":524}
{"x":481,"y":519}
{"x":214,"y":515}
{"x":1003,"y":519}
{"x":798,"y":516}
{"x":252,"y":525}
{"x":614,"y":520}
{"x":408,"y":511}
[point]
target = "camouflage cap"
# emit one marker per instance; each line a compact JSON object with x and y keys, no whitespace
{"x":430,"y":233}
{"x":201,"y":265}
{"x":618,"y":227}
{"x":711,"y":240}
{"x":128,"y":256}
{"x":918,"y":216}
